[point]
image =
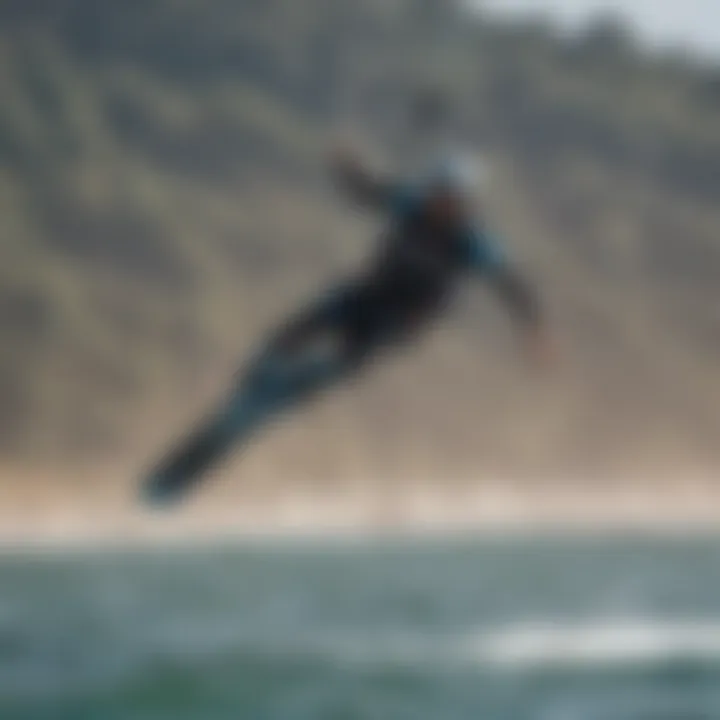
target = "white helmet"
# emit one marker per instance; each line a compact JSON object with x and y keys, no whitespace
{"x":458,"y":173}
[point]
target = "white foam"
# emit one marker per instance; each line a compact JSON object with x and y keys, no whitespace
{"x":537,"y":646}
{"x":527,"y":647}
{"x":607,"y":643}
{"x":532,"y":646}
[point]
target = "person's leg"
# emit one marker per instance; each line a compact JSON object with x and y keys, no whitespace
{"x":284,"y":374}
{"x":310,"y":351}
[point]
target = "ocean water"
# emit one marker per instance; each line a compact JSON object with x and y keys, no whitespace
{"x":493,"y":629}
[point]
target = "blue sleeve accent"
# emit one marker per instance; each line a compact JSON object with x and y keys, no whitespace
{"x":402,"y":201}
{"x":484,"y":252}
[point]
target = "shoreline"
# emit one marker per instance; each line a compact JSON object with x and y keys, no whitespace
{"x":413,"y":512}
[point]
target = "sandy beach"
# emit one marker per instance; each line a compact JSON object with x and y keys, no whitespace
{"x":60,"y":514}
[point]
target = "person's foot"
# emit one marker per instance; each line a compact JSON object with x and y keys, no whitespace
{"x":160,"y":491}
{"x":184,"y":467}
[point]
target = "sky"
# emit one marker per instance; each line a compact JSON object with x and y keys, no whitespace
{"x":693,"y":24}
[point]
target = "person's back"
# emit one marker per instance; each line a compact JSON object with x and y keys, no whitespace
{"x":422,"y":255}
{"x":435,"y":237}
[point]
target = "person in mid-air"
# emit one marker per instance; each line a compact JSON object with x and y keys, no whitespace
{"x":434,"y":238}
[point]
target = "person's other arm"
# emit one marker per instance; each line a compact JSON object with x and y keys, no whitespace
{"x":522,"y":301}
{"x":518,"y":295}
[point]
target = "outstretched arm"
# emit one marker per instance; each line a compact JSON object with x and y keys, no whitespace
{"x":515,"y":293}
{"x":518,"y":297}
{"x":524,"y":306}
{"x":361,"y":184}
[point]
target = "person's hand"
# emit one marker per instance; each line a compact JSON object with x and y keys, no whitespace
{"x":344,"y":158}
{"x":539,"y":350}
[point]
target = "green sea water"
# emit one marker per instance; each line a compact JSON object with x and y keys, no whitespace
{"x":493,"y":629}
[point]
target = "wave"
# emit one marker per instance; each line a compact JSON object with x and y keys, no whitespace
{"x":535,"y":645}
{"x":529,"y":647}
{"x":602,"y":643}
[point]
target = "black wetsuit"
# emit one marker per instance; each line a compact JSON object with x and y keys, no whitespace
{"x":409,"y":282}
{"x":405,"y":286}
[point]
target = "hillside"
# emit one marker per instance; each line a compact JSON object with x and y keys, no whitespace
{"x":163,"y":202}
